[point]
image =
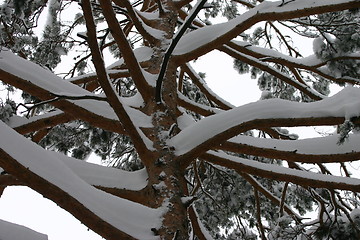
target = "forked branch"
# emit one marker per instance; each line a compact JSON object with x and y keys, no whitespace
{"x":126,"y":50}
{"x":111,"y":95}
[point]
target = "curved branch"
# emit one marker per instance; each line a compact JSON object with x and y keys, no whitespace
{"x":196,"y":107}
{"x":41,"y":83}
{"x":214,"y":36}
{"x":136,"y":20}
{"x":310,"y":63}
{"x":214,"y":130}
{"x":314,"y":150}
{"x":275,"y":172}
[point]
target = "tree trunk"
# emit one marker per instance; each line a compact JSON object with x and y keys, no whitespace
{"x":165,"y":174}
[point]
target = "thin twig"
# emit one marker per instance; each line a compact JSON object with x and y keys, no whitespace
{"x":283,"y":196}
{"x":258,"y":214}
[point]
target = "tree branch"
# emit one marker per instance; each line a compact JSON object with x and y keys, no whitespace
{"x":310,"y":63}
{"x":274,"y":172}
{"x":313,"y":150}
{"x":88,"y":112}
{"x":61,"y":197}
{"x":216,"y":35}
{"x":37,"y":123}
{"x":255,"y":115}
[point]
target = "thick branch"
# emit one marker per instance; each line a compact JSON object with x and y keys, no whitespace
{"x":212,"y":131}
{"x":39,"y":122}
{"x":87,"y":112}
{"x":47,"y":173}
{"x":9,"y":180}
{"x":62,"y":198}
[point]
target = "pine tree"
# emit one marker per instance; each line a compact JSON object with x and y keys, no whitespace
{"x":182,"y":163}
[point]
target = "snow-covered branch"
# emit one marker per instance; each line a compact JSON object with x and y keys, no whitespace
{"x":281,"y":173}
{"x":213,"y":130}
{"x":41,"y":83}
{"x":311,"y":63}
{"x":150,"y":34}
{"x":46,"y":173}
{"x":196,"y":107}
{"x":313,"y":150}
{"x":87,"y":78}
{"x":214,"y":36}
{"x":26,"y":125}
{"x":11,"y":231}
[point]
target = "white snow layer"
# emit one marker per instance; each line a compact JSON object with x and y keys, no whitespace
{"x":142,"y":54}
{"x":45,"y":79}
{"x":313,"y":146}
{"x":195,"y":39}
{"x":276,"y":169}
{"x":97,"y":175}
{"x":131,"y":218}
{"x":12,"y":231}
{"x":343,"y":104}
{"x":17,"y":121}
